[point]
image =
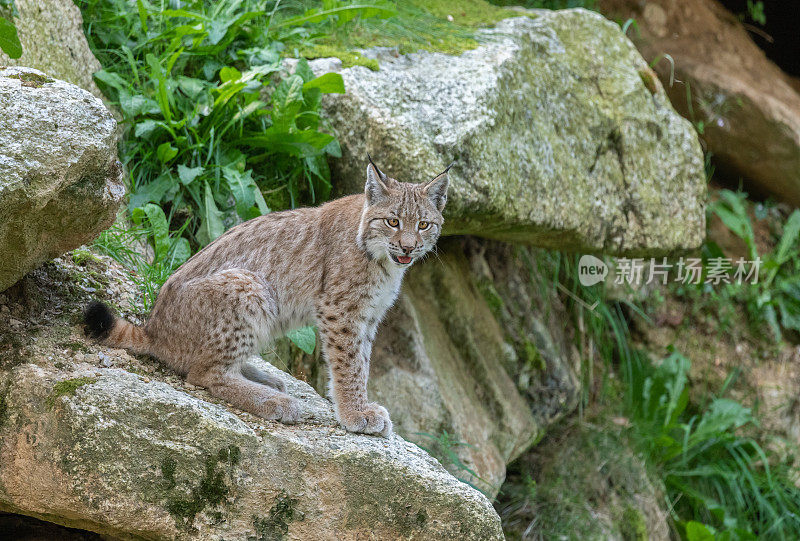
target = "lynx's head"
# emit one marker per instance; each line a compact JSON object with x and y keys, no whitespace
{"x":401,"y":221}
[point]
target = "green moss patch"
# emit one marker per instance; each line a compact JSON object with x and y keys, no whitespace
{"x":67,"y":388}
{"x":348,"y":58}
{"x":471,"y":13}
{"x":276,"y":525}
{"x":435,"y":26}
{"x":33,"y":80}
{"x":208,"y":492}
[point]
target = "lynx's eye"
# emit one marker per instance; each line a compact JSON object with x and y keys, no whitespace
{"x":423,"y":225}
{"x":392,"y":222}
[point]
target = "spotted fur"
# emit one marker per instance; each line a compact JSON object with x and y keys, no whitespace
{"x":338,"y":266}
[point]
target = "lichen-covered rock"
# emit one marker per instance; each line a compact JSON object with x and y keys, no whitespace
{"x":749,"y":108}
{"x":132,"y":458}
{"x":51,"y":34}
{"x":560,"y":135}
{"x":60,"y":181}
{"x":93,"y":438}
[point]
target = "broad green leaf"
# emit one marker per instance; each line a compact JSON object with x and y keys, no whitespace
{"x":739,"y":224}
{"x":329,"y":83}
{"x":790,"y":312}
{"x":181,"y":251}
{"x":191,"y":87}
{"x":217,"y":30}
{"x":9,"y":40}
{"x":305,"y":338}
{"x":791,"y":233}
{"x":188,"y":174}
{"x":286,"y":102}
{"x":229,"y":74}
{"x":111,"y":79}
{"x":696,"y":531}
{"x":159,"y":228}
{"x":309,"y":115}
{"x":723,"y":415}
{"x":241,"y":185}
{"x":136,"y":105}
{"x":152,"y":191}
{"x":248,"y":110}
{"x":146,"y":127}
{"x":166,"y":152}
{"x":304,"y":70}
{"x":333,"y":148}
{"x":211,"y":225}
{"x":228,"y":91}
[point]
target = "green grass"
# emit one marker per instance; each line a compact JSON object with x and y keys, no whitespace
{"x":120,"y":241}
{"x":775,"y":299}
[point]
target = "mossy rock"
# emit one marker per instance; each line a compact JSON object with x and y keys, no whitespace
{"x":129,"y":457}
{"x":557,"y":141}
{"x":60,"y":181}
{"x":584,"y":481}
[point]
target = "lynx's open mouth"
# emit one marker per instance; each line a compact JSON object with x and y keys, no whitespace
{"x":401,"y":259}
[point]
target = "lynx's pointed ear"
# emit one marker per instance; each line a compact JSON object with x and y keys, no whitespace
{"x":436,"y":189}
{"x":376,"y":188}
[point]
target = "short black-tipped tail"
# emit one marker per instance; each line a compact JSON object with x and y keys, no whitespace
{"x":99,"y":320}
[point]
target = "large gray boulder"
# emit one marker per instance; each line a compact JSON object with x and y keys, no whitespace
{"x":51,"y":34}
{"x":60,"y":181}
{"x":93,"y":438}
{"x":561,"y":137}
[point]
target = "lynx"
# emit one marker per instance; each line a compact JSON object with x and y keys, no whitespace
{"x":338,"y":266}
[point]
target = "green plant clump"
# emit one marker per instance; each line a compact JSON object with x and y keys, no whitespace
{"x":773,"y":295}
{"x":215,"y":132}
{"x":444,"y":447}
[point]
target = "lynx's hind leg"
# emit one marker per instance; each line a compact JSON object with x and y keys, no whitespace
{"x":250,"y":396}
{"x":236,"y":312}
{"x":254,"y":373}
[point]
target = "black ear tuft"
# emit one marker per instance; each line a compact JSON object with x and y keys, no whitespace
{"x":99,"y":320}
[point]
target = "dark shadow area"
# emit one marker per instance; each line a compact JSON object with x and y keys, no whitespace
{"x":22,"y":528}
{"x":779,"y":38}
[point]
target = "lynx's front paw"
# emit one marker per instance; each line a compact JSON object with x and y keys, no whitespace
{"x":374,"y":419}
{"x":281,"y":408}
